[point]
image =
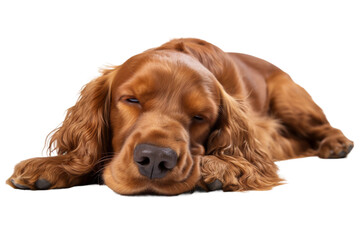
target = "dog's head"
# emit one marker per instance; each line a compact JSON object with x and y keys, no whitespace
{"x":163,"y":107}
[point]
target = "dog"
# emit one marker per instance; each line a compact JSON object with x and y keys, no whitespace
{"x":181,"y":116}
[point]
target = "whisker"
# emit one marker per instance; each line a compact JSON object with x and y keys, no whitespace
{"x":106,"y":157}
{"x":103,"y":162}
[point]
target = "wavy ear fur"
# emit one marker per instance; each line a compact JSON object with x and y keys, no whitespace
{"x":236,"y":141}
{"x":85,"y":132}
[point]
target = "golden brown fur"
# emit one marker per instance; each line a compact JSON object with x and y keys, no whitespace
{"x":227,"y":116}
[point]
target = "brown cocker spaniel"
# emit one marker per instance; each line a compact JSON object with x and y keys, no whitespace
{"x":181,"y":116}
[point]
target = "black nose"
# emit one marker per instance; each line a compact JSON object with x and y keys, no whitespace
{"x":154,"y":161}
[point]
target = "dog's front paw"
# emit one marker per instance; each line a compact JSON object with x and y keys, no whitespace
{"x":31,"y":174}
{"x":219,"y":175}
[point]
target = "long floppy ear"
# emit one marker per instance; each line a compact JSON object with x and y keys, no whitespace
{"x":235,"y":141}
{"x":85,"y":132}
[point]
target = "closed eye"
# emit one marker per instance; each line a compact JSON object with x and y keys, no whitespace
{"x":198,"y":118}
{"x":132,"y":100}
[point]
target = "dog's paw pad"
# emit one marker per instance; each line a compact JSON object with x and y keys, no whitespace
{"x":215,"y":185}
{"x":350,"y":147}
{"x":42,"y":184}
{"x":19,"y":186}
{"x":342,"y":154}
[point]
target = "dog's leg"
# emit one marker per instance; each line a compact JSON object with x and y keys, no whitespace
{"x":81,"y":141}
{"x":50,"y":172}
{"x":304,"y":119}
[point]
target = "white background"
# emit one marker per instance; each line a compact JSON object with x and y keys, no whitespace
{"x":50,"y":49}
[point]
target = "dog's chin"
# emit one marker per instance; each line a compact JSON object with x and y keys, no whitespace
{"x":126,"y":184}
